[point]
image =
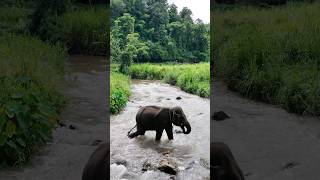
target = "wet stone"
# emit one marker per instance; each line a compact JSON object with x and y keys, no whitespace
{"x":168,"y":166}
{"x":178,"y":98}
{"x":148,"y":167}
{"x":121,"y":162}
{"x":72,"y":127}
{"x":220,"y":116}
{"x":168,"y":99}
{"x":290,"y":165}
{"x":61,"y":124}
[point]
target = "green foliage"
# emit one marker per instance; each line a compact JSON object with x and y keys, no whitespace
{"x":163,"y":33}
{"x":192,"y":78}
{"x":272,"y":54}
{"x":85,"y":31}
{"x":31,"y":74}
{"x":119,"y":91}
{"x":14,"y":19}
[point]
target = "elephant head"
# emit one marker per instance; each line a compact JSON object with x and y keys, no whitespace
{"x":180,"y":119}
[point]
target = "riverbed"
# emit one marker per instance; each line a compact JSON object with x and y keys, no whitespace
{"x":191,"y":152}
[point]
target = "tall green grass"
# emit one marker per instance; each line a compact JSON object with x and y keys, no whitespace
{"x":14,"y":19}
{"x":271,"y":54}
{"x":119,"y":91}
{"x":85,"y":30}
{"x":31,"y":77}
{"x":192,"y":78}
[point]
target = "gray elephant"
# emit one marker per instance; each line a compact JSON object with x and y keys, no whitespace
{"x":158,"y":119}
{"x":223,"y":164}
{"x":97,"y":167}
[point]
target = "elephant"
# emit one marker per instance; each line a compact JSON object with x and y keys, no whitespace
{"x":160,"y":118}
{"x":98,"y":165}
{"x":223,"y":163}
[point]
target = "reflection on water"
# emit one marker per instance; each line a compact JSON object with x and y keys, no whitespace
{"x":189,"y":151}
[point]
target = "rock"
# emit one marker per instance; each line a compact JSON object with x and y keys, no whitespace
{"x":204,"y":163}
{"x":290,"y":165}
{"x":166,"y":152}
{"x":178,"y":131}
{"x":168,"y":166}
{"x":72,"y":127}
{"x":178,"y":98}
{"x":220,"y":116}
{"x":117,"y":171}
{"x":168,"y":99}
{"x":96,"y":142}
{"x":148,"y":167}
{"x":61,"y":124}
{"x":121,"y":162}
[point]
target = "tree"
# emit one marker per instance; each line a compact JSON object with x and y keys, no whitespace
{"x":186,"y":14}
{"x":124,"y":25}
{"x":173,"y":13}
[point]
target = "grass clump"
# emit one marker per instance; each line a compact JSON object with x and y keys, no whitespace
{"x":271,"y":54}
{"x":192,"y":78}
{"x":119,"y":91}
{"x":85,"y":30}
{"x":31,"y":74}
{"x":14,"y":19}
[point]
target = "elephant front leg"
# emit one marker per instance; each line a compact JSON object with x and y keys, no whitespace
{"x":169,"y":133}
{"x":158,"y":134}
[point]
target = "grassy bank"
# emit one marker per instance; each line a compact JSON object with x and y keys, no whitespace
{"x":119,"y":91}
{"x":272,"y":54}
{"x":192,"y":78}
{"x":84,"y":31}
{"x":14,"y":19}
{"x":31,"y":75}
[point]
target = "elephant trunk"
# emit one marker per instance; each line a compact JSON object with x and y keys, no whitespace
{"x":187,"y":125}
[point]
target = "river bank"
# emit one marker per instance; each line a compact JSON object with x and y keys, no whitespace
{"x":268,"y":142}
{"x":83,"y":125}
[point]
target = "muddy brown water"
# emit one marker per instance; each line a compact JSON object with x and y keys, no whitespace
{"x":268,"y":142}
{"x":64,"y":158}
{"x":191,"y":152}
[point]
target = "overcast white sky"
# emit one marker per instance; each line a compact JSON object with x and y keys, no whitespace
{"x":199,"y":8}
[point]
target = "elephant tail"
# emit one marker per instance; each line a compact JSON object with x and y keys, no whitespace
{"x":132,"y":129}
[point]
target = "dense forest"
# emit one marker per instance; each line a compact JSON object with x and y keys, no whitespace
{"x":154,"y":31}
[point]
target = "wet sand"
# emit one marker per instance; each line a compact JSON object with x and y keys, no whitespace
{"x":190,"y":151}
{"x":64,"y":158}
{"x":268,"y":142}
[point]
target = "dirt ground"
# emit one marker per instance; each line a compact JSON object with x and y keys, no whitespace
{"x":268,"y":142}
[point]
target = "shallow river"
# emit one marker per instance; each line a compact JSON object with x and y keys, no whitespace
{"x":191,"y":152}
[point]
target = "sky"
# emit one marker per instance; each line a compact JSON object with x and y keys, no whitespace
{"x":199,"y":8}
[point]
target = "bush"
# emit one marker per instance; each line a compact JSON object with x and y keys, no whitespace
{"x":85,"y":31}
{"x":119,"y":91}
{"x":31,"y":75}
{"x":192,"y":78}
{"x":271,"y":55}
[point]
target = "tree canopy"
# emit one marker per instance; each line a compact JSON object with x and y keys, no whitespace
{"x":154,"y":31}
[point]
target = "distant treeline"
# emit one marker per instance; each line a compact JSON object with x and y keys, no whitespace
{"x":258,"y":2}
{"x":154,"y":31}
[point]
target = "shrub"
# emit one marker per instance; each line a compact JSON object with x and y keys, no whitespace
{"x":119,"y":91}
{"x":31,"y":75}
